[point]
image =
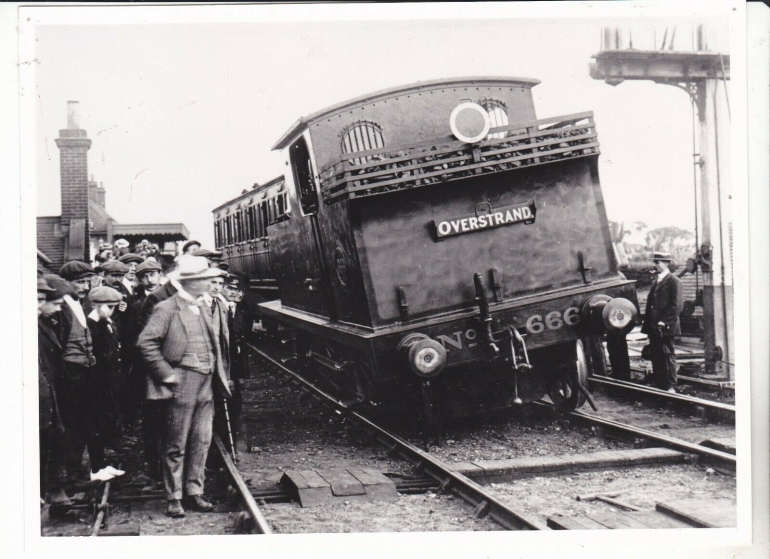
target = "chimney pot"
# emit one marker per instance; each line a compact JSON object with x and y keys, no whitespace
{"x":73,"y":115}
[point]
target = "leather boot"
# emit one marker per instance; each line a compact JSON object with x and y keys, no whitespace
{"x":175,"y":509}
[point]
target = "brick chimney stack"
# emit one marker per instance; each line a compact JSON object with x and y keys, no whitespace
{"x":73,"y":146}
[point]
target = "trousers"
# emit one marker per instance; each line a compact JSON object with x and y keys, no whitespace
{"x":189,"y":418}
{"x":53,"y":473}
{"x":81,"y":407}
{"x":664,"y":366}
{"x":153,"y":429}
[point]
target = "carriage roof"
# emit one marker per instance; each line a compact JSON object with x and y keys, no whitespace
{"x":389,"y":93}
{"x":256,"y":189}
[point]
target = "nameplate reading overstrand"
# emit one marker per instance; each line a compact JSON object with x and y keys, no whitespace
{"x":498,"y":217}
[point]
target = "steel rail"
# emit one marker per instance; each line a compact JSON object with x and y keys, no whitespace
{"x":260,"y":522}
{"x":468,"y":490}
{"x":650,"y":391}
{"x":720,"y":458}
{"x":102,"y":508}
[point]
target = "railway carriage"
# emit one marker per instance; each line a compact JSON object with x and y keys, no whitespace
{"x":240,"y":233}
{"x":442,"y":248}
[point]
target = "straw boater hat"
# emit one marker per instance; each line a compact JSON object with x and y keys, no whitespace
{"x":103,"y":295}
{"x":121,"y":243}
{"x":661,"y":257}
{"x":193,"y":267}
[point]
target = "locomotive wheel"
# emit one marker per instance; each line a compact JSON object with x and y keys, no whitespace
{"x":563,"y":390}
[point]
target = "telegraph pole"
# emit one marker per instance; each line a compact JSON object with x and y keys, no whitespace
{"x":703,"y":74}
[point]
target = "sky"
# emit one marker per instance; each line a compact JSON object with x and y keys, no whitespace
{"x":182,"y":116}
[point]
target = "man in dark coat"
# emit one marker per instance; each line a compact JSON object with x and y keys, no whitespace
{"x":72,"y":386}
{"x":53,"y":473}
{"x":661,"y":322}
{"x":155,"y":401}
{"x":181,"y":350}
{"x":239,"y":322}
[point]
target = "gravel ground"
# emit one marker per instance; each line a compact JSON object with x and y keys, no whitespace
{"x":286,"y":431}
{"x":643,"y":487}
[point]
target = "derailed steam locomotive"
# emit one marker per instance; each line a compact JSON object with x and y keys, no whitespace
{"x":439,"y":248}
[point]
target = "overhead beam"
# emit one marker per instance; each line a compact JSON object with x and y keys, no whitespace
{"x":615,"y":66}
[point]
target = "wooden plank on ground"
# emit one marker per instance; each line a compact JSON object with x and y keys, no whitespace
{"x":702,"y":513}
{"x":311,"y":488}
{"x":655,"y":519}
{"x":377,"y":486}
{"x":559,"y":522}
{"x":343,"y":484}
{"x":615,"y":520}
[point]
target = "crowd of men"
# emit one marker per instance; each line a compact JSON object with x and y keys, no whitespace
{"x":127,"y":349}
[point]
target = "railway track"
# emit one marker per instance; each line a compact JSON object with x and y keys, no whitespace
{"x":449,"y":480}
{"x":725,"y":461}
{"x":720,"y":409}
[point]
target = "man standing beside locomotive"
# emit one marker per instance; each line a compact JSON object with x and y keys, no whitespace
{"x":181,"y":349}
{"x":239,"y":324}
{"x":661,"y":321}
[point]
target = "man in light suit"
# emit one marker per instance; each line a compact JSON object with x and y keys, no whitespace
{"x":181,"y":349}
{"x":661,"y":321}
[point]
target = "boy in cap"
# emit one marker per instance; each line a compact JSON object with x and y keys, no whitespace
{"x":78,"y":359}
{"x":661,"y":321}
{"x":184,"y":360}
{"x":132,"y":261}
{"x":53,"y":473}
{"x":104,"y":413}
{"x":114,"y":274}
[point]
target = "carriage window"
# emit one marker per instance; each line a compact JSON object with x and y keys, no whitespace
{"x":282,"y":207}
{"x":252,"y":222}
{"x":362,"y":136}
{"x":217,"y":242}
{"x":303,"y":177}
{"x":263,"y":219}
{"x":498,"y":115}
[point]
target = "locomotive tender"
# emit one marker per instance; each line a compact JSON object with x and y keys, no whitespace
{"x":437,"y":246}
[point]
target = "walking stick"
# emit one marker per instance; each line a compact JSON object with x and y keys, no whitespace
{"x":229,"y":431}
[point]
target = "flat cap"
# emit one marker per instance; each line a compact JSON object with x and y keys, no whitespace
{"x":104,"y":295}
{"x":148,"y":266}
{"x":61,"y":287}
{"x":236,"y":280}
{"x":189,"y":243}
{"x":43,"y":286}
{"x":115,"y":267}
{"x":131,"y":257}
{"x":75,"y":270}
{"x":208,"y":253}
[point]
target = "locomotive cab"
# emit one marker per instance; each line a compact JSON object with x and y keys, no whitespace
{"x":443,"y":241}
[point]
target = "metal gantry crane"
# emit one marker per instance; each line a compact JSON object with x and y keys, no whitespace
{"x":703,"y":74}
